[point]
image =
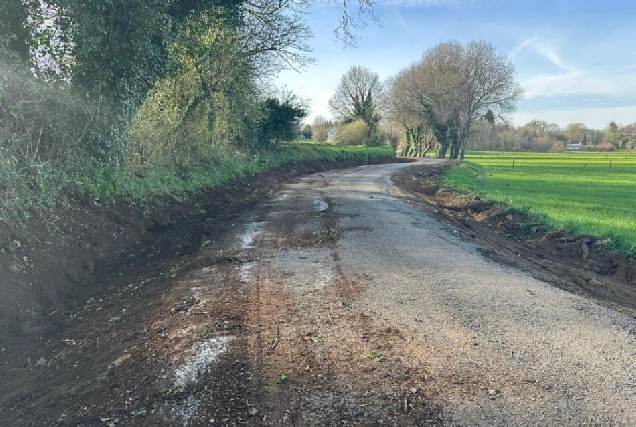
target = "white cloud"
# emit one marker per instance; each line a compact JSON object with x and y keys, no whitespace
{"x":522,"y":46}
{"x":544,"y":49}
{"x":580,"y":82}
{"x":572,"y":79}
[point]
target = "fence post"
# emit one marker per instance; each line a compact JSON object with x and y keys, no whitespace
{"x":610,"y":165}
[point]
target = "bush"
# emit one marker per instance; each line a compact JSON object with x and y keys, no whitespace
{"x":376,"y":139}
{"x":354,"y":133}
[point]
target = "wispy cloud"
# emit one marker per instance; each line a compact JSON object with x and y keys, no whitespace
{"x":399,"y":20}
{"x":571,"y":77}
{"x":522,"y":46}
{"x":550,"y":53}
{"x":544,"y":49}
{"x":435,"y":3}
{"x":422,"y":2}
{"x":581,"y":82}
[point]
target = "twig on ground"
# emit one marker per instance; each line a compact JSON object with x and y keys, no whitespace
{"x":274,"y":343}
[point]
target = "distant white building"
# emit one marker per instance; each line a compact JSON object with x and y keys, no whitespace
{"x":575,"y":147}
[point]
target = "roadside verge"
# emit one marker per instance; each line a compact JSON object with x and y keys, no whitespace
{"x":53,"y":265}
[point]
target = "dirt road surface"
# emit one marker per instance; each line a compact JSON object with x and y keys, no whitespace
{"x":488,"y":345}
{"x":335,"y":301}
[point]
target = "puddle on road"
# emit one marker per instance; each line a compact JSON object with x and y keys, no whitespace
{"x":253,"y":230}
{"x":203,"y":355}
{"x":244,"y":272}
{"x":320,"y":205}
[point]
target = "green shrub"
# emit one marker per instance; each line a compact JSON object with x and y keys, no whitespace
{"x":354,"y":133}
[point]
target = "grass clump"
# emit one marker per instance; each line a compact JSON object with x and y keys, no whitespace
{"x":575,"y":192}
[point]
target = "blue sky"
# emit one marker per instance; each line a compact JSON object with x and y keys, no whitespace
{"x":575,"y":59}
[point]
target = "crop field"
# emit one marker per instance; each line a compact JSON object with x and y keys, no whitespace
{"x":582,"y":193}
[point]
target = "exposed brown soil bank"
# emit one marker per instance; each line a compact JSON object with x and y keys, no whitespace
{"x":52,"y":266}
{"x":579,"y":264}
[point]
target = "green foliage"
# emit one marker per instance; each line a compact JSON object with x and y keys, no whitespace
{"x":98,"y":185}
{"x":280,"y":120}
{"x":354,"y":133}
{"x":209,"y":104}
{"x":363,"y":109}
{"x":139,"y":98}
{"x":374,"y":356}
{"x":376,"y":138}
{"x":118,"y":46}
{"x":577,"y":192}
{"x":47,"y":135}
{"x":13,"y":29}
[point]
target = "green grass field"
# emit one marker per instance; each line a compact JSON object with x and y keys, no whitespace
{"x":573,"y":191}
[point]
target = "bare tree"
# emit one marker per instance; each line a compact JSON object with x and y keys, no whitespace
{"x":353,"y":17}
{"x":577,"y":133}
{"x":320,"y":129}
{"x":456,"y":85}
{"x":275,"y":34}
{"x":406,"y":107}
{"x":358,"y":97}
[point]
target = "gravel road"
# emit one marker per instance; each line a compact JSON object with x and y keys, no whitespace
{"x":497,"y":346}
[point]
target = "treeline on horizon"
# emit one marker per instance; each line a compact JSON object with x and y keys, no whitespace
{"x":542,"y":136}
{"x":456,"y":97}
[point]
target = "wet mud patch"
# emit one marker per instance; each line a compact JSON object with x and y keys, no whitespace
{"x":305,"y":223}
{"x":579,"y":264}
{"x":319,"y":183}
{"x":163,"y":351}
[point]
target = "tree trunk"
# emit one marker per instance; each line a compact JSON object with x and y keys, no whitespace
{"x":454,"y":154}
{"x":441,"y":153}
